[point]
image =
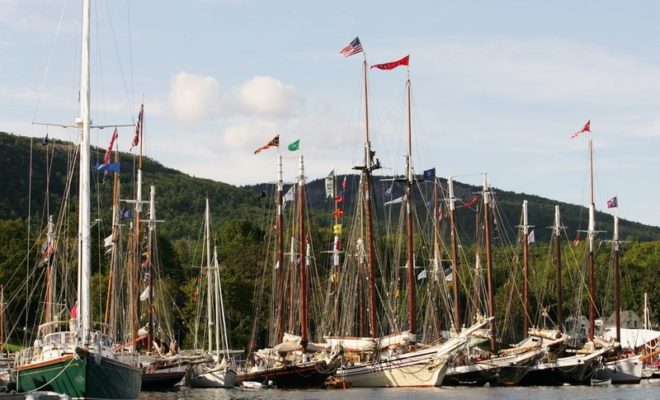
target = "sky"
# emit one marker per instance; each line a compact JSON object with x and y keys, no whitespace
{"x":497,"y":87}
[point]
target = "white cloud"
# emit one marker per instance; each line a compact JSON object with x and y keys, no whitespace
{"x":193,"y":97}
{"x":268,"y":96}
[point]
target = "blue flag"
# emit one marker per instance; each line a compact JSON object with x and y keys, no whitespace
{"x":111,"y":167}
{"x":429,"y":174}
{"x":125,"y":213}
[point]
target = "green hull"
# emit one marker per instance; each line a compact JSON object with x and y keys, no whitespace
{"x":86,"y":377}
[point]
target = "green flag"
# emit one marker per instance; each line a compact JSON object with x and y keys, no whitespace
{"x":294,"y":145}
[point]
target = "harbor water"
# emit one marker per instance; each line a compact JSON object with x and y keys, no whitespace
{"x":643,"y":391}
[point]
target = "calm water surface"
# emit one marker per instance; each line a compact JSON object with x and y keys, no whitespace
{"x":644,"y":391}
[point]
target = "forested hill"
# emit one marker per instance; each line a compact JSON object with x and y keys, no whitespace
{"x":25,"y":164}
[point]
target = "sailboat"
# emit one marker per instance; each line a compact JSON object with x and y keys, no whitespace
{"x":219,"y":373}
{"x":395,"y":359}
{"x":162,"y":367}
{"x":293,"y":361}
{"x":562,"y":365}
{"x":622,"y":367}
{"x":73,"y":357}
{"x":475,"y":367}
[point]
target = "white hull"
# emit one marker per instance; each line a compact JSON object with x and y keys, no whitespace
{"x":218,"y":378}
{"x":416,"y":369}
{"x":627,"y":370}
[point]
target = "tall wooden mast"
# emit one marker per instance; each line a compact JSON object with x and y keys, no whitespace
{"x":617,"y":279}
{"x":410,"y":251}
{"x":591,"y":234}
{"x":280,"y":252}
{"x":302,"y":240}
{"x":489,"y":265}
{"x":369,"y":165}
{"x":525,"y":239}
{"x":454,"y":256}
{"x":556,"y":229}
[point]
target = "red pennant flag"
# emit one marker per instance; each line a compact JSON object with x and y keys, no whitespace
{"x":108,"y":152}
{"x":274,"y":142}
{"x":585,"y":128}
{"x":138,"y":128}
{"x":393,"y":64}
{"x":470,"y":203}
{"x":343,"y":183}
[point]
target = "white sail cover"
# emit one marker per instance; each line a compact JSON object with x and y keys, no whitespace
{"x":632,"y":338}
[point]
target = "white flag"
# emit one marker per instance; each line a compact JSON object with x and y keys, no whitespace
{"x":107,"y":242}
{"x":422,"y":275}
{"x":395,"y":201}
{"x":530,"y":237}
{"x":289,"y":196}
{"x":145,"y":295}
{"x":330,"y":185}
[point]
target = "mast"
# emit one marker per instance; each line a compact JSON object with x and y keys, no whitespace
{"x":209,"y":304}
{"x":371,"y":251}
{"x":591,"y":233}
{"x":216,"y":302}
{"x":454,"y":256}
{"x":409,"y":223}
{"x":525,"y":239}
{"x":489,"y":264}
{"x":280,"y":251}
{"x":152,"y":226}
{"x":84,"y":239}
{"x":218,"y":284}
{"x":557,"y":234}
{"x":303,"y":260}
{"x":110,"y":304}
{"x":647,"y":316}
{"x":50,"y":275}
{"x":617,"y":279}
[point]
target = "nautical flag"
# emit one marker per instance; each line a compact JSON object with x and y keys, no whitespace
{"x":330,"y":185}
{"x":585,"y":128}
{"x":530,"y":237}
{"x":343,"y":183}
{"x":274,"y":142}
{"x":352,"y":48}
{"x":393,"y":64}
{"x":336,"y":229}
{"x":44,"y":141}
{"x":145,"y":295}
{"x":340,"y":198}
{"x":338,"y":213}
{"x":422,"y":275}
{"x":294,"y":145}
{"x":138,"y":128}
{"x":470,"y":203}
{"x":429,"y":174}
{"x":125,"y":213}
{"x":112,"y":167}
{"x":577,"y":240}
{"x":613,"y":202}
{"x":289,"y":196}
{"x":108,"y":152}
{"x":74,"y":311}
{"x":388,"y":191}
{"x":107,"y":242}
{"x":395,"y":201}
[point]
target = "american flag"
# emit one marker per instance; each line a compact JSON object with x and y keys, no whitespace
{"x":352,"y":48}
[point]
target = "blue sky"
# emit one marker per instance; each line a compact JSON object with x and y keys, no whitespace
{"x":498,"y":86}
